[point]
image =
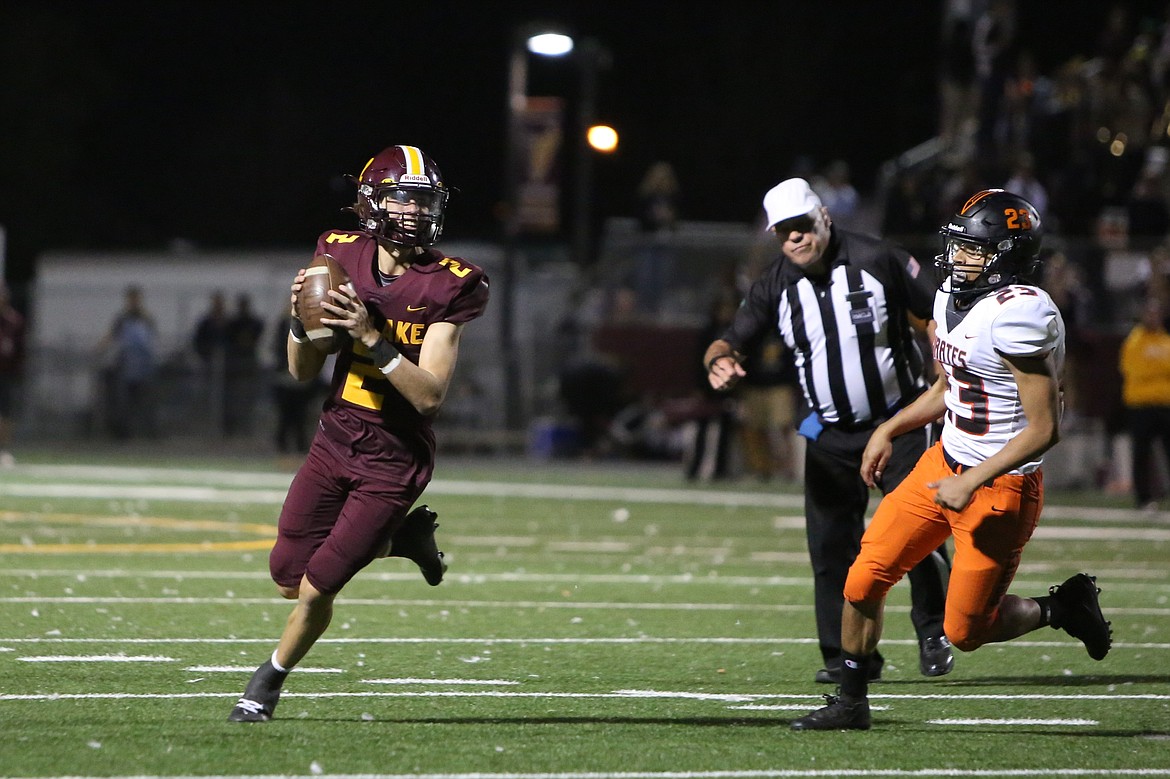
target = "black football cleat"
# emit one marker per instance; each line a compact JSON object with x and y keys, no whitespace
{"x":840,"y":713}
{"x":415,"y":541}
{"x":1078,"y":612}
{"x":935,"y":657}
{"x":260,"y":696}
{"x":831,"y":673}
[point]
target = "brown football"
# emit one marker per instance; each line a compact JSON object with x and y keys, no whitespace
{"x":322,"y":275}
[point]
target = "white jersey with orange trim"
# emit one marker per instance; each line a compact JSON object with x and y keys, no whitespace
{"x":983,"y":401}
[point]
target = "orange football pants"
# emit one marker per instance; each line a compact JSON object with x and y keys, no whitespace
{"x":989,"y":535}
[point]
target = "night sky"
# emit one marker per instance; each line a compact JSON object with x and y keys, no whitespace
{"x":130,"y":125}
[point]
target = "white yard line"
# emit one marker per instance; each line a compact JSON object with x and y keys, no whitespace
{"x":608,"y":606}
{"x":265,"y":487}
{"x":201,"y":493}
{"x":1010,"y":721}
{"x":484,"y":682}
{"x":1021,"y":584}
{"x":537,"y":641}
{"x":614,"y":695}
{"x":247,"y":669}
{"x":97,"y":659}
{"x":765,"y":773}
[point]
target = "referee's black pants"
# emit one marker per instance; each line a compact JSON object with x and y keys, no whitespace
{"x":835,"y":502}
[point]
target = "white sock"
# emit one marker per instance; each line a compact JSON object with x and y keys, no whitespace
{"x":277,"y":665}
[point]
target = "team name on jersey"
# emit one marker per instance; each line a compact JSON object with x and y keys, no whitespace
{"x":949,"y":354}
{"x":405,"y":332}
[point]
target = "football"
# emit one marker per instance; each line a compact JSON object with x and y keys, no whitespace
{"x":322,"y":275}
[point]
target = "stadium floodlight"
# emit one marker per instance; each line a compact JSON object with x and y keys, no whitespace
{"x":550,"y":44}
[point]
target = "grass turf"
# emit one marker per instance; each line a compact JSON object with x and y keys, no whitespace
{"x":667,"y":629}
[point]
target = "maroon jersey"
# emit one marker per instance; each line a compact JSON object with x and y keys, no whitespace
{"x":443,"y":289}
{"x":373,"y":454}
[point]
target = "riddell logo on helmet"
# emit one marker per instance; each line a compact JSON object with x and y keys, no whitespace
{"x":956,"y":228}
{"x":413,"y":178}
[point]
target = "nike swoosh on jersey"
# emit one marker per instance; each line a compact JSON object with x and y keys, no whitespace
{"x":415,"y":308}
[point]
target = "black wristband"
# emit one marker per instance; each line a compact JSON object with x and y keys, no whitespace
{"x":297,"y":328}
{"x":383,"y":354}
{"x":717,"y":358}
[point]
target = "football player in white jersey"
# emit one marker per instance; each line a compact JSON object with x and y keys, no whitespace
{"x":1000,"y":344}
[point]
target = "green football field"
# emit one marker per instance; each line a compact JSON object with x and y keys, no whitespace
{"x":596,"y":622}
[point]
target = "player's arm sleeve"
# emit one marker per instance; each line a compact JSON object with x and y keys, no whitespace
{"x":470,"y":301}
{"x":1027,"y":326}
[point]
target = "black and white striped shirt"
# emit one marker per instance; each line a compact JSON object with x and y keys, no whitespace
{"x":855,"y":352}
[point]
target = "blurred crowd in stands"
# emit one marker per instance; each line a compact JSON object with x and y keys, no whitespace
{"x":1086,"y":141}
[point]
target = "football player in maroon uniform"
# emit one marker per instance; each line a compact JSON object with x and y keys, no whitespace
{"x":373,"y":454}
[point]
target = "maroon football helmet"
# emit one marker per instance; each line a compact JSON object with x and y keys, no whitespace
{"x":401,"y":197}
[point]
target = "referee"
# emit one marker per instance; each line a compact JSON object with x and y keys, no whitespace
{"x":844,"y":304}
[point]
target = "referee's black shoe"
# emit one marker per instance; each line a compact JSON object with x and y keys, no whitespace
{"x":935,"y":657}
{"x":1076,"y":611}
{"x":831,"y":673}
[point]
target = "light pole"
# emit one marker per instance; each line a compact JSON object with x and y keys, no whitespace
{"x":593,"y":58}
{"x":549,"y":44}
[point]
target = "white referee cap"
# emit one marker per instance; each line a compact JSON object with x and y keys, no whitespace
{"x":789,"y":198}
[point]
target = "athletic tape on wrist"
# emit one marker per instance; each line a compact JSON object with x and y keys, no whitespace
{"x":385,"y":356}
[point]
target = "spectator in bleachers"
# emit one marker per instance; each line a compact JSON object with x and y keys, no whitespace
{"x":710,"y":423}
{"x":1028,"y":94}
{"x":131,"y":349}
{"x":592,"y":389}
{"x":908,"y":216}
{"x":293,"y":398}
{"x":957,"y":97}
{"x":1159,"y":281}
{"x":210,"y":343}
{"x":242,"y":368}
{"x":1065,"y":284}
{"x":211,"y":331}
{"x":769,"y":396}
{"x":838,"y":193}
{"x":994,"y":40}
{"x":1024,"y":183}
{"x":1145,"y":370}
{"x":1116,"y":35}
{"x":1160,"y":54}
{"x":956,"y":188}
{"x":658,"y":218}
{"x":1148,"y":211}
